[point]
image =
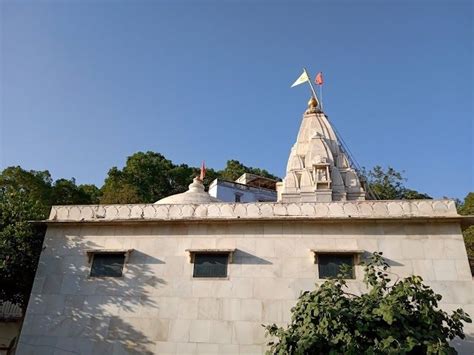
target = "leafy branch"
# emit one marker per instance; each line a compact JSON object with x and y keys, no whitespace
{"x":400,"y":317}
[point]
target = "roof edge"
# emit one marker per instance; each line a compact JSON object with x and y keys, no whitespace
{"x":464,"y":221}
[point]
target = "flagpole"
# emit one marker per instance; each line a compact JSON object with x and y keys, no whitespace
{"x":321,"y":95}
{"x":311,"y":84}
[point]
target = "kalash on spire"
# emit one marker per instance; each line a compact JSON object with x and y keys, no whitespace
{"x":318,"y":169}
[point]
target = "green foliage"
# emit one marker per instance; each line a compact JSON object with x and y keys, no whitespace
{"x":393,"y":317}
{"x":467,"y":208}
{"x":117,"y":189}
{"x":148,"y":177}
{"x":66,"y":192}
{"x":91,"y":192}
{"x":35,"y":184}
{"x":39,"y":186}
{"x":389,"y":185}
{"x":20,"y":243}
{"x":234,"y":169}
{"x":27,"y":196}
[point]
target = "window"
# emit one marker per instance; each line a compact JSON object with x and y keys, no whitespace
{"x":210,"y":262}
{"x":238,"y":197}
{"x":333,"y":262}
{"x":329,"y":265}
{"x":107,"y":263}
{"x":210,"y":265}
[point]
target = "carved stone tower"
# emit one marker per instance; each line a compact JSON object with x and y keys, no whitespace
{"x":318,"y":170}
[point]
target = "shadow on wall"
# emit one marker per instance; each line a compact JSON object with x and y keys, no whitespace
{"x":242,"y":257}
{"x":74,"y":313}
{"x":367,"y":255}
{"x":420,"y":230}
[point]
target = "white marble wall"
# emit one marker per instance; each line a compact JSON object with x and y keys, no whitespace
{"x":157,"y":307}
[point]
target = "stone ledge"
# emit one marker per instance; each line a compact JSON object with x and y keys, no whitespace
{"x":415,"y":209}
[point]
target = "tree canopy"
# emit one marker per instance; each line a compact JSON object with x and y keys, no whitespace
{"x":27,"y":196}
{"x":37,"y":185}
{"x":148,"y":177}
{"x":389,"y":184}
{"x":234,"y":169}
{"x":467,"y":208}
{"x":20,"y":242}
{"x":393,"y":317}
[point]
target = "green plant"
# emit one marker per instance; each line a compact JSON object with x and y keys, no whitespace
{"x":393,"y":317}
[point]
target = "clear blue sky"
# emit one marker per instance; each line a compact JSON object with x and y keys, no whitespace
{"x":84,"y":84}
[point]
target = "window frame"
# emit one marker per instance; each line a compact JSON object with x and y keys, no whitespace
{"x":194,"y":252}
{"x":355,"y":260}
{"x":91,"y":253}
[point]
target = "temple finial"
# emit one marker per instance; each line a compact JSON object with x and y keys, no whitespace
{"x":313,"y":105}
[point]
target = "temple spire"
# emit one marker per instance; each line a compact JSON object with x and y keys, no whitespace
{"x":318,"y":170}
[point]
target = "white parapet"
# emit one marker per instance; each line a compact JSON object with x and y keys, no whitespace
{"x":408,"y":209}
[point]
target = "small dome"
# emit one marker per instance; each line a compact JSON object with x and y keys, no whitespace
{"x":195,"y":195}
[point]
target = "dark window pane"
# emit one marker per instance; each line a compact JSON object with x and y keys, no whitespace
{"x":210,"y":265}
{"x":107,"y":265}
{"x":330,"y":264}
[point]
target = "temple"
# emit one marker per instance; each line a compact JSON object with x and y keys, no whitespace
{"x":192,"y":274}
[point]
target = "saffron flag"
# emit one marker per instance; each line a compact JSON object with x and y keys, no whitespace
{"x":203,"y":171}
{"x":319,"y":78}
{"x":302,"y":79}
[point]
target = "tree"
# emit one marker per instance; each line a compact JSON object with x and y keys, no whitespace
{"x":389,"y":185}
{"x":234,"y":169}
{"x":66,"y":192}
{"x":92,"y":192}
{"x":146,"y":178}
{"x":467,"y":208}
{"x":400,"y":317}
{"x":20,"y":243}
{"x":36,"y":184}
{"x":27,"y":196}
{"x":39,"y":186}
{"x":117,"y":189}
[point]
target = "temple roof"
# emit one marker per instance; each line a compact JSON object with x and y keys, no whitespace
{"x":195,"y":195}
